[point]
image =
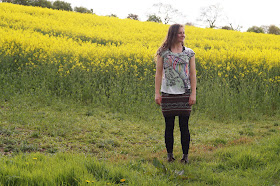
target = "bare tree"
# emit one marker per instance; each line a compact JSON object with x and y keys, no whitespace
{"x":231,"y":25}
{"x":237,"y":28}
{"x":211,"y":14}
{"x":167,"y":12}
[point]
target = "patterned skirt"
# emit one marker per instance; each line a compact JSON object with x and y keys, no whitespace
{"x":175,"y":104}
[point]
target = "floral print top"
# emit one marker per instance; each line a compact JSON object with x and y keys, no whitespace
{"x":176,"y":79}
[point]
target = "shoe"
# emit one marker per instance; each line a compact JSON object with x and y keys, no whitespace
{"x":185,"y":159}
{"x":170,"y":157}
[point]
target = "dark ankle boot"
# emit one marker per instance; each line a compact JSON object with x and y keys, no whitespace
{"x":170,"y":157}
{"x":185,"y":159}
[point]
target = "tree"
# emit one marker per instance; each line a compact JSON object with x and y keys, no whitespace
{"x":227,"y":28}
{"x":231,"y":27}
{"x":274,"y":30}
{"x":154,"y":18}
{"x":7,"y":1}
{"x":211,"y":15}
{"x":22,"y":2}
{"x":189,"y":24}
{"x":237,"y":28}
{"x":133,"y":16}
{"x":265,"y":28}
{"x":255,"y":29}
{"x":112,"y":15}
{"x":42,"y":3}
{"x":167,"y":13}
{"x":82,"y":10}
{"x":61,"y":5}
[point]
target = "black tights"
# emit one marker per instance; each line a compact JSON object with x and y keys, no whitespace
{"x":185,"y":134}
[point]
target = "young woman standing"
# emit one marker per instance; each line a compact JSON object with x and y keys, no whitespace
{"x":175,"y":87}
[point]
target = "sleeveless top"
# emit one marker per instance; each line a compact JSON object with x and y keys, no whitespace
{"x":176,"y":68}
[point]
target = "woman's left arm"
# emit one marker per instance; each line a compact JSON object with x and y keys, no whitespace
{"x":192,"y":98}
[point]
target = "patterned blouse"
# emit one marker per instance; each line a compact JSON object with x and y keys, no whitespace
{"x":176,"y":68}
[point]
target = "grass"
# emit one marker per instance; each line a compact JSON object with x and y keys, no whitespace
{"x":68,"y":117}
{"x":55,"y":141}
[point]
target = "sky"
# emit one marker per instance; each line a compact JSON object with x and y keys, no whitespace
{"x":245,"y":13}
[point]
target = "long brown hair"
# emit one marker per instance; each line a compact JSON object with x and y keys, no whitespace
{"x":170,"y":38}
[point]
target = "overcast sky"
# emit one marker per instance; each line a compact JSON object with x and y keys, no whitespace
{"x":245,"y":13}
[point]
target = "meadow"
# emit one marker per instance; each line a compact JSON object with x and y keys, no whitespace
{"x":77,"y":103}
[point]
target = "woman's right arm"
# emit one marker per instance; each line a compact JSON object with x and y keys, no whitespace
{"x":158,"y":79}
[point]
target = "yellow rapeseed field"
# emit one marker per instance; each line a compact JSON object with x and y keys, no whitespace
{"x":35,"y":38}
{"x":44,"y":32}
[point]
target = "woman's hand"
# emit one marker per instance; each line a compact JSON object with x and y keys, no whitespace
{"x":158,"y":99}
{"x":192,"y":99}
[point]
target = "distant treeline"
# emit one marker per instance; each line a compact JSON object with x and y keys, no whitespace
{"x":58,"y":5}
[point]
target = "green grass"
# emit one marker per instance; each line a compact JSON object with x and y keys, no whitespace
{"x":55,"y":141}
{"x":102,"y":125}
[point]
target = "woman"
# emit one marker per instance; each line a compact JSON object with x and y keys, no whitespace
{"x":175,"y":87}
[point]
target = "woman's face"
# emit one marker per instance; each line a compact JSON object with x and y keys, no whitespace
{"x":181,"y":34}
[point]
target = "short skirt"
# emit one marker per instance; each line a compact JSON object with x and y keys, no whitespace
{"x":175,"y":104}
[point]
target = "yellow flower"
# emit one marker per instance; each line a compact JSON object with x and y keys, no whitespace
{"x":35,"y":158}
{"x":122,"y":180}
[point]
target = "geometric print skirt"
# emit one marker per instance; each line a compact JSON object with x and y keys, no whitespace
{"x":175,"y":104}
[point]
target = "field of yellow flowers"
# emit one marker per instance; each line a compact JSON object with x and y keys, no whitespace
{"x":110,"y":61}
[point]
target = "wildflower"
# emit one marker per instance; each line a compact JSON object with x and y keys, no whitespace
{"x":122,"y":180}
{"x":35,"y":158}
{"x":87,"y":181}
